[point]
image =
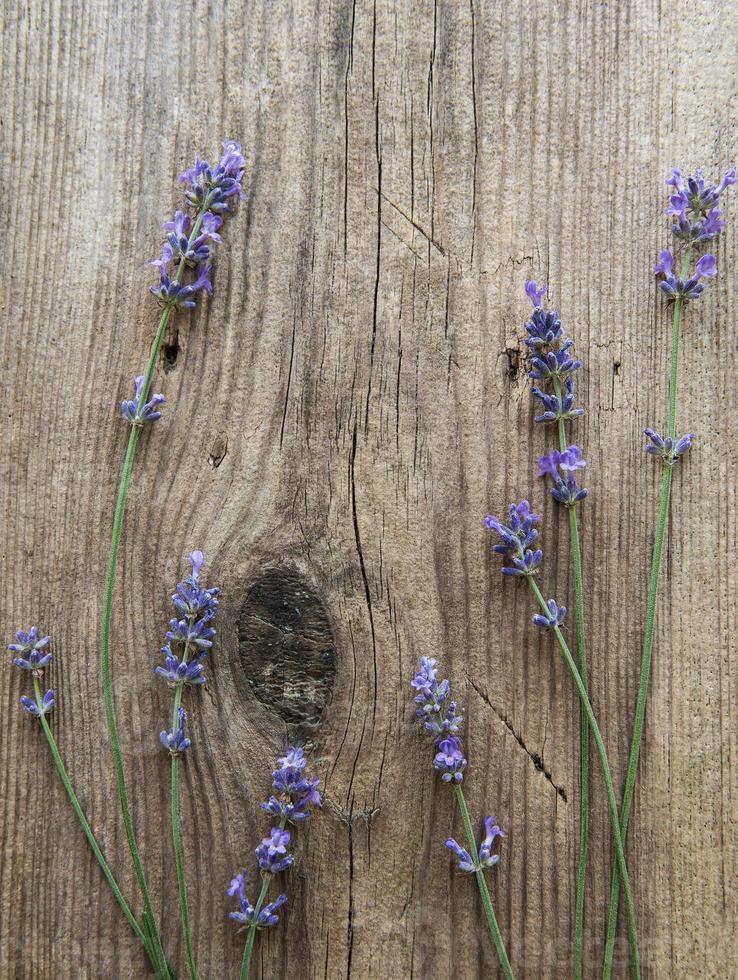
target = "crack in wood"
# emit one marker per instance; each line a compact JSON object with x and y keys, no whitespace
{"x":534,"y":757}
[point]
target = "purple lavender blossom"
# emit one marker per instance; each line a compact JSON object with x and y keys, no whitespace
{"x":670,"y":450}
{"x":439,"y":715}
{"x":449,"y":760}
{"x":687,"y":289}
{"x":176,"y":672}
{"x":565,"y":489}
{"x":272,"y":852}
{"x":176,"y":741}
{"x":692,"y":193}
{"x":297,"y":791}
{"x":47,"y":703}
{"x":554,"y":363}
{"x":245,"y":914}
{"x":543,"y":329}
{"x":558,"y":408}
{"x":486,"y":858}
{"x":136,"y":413}
{"x":31,"y":647}
{"x":437,"y":711}
{"x":189,"y":240}
{"x":535,"y":292}
{"x":516,"y":538}
{"x":466,"y":862}
{"x":555,"y":616}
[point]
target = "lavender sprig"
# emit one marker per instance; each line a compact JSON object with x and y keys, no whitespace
{"x":34,"y":657}
{"x":198,"y":606}
{"x":695,"y":221}
{"x":296,"y":792}
{"x":546,"y":337}
{"x":440,"y":718}
{"x":208,"y":197}
{"x":494,"y":524}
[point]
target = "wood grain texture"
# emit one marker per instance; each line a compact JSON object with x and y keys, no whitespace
{"x":347,"y":408}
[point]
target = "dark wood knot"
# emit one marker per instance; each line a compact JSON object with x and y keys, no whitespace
{"x":288,"y":651}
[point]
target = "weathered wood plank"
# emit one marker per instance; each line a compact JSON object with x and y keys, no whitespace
{"x":348,"y":407}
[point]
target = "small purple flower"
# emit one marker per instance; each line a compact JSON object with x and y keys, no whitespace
{"x":466,"y":863}
{"x":272,"y":852}
{"x":297,"y":790}
{"x":176,"y":741}
{"x":47,"y":703}
{"x":516,"y":538}
{"x":565,"y":489}
{"x":31,"y":648}
{"x":492,"y":832}
{"x":486,"y":858}
{"x":665,"y":264}
{"x":558,"y":408}
{"x":675,"y":286}
{"x":535,"y":292}
{"x":698,"y":196}
{"x":670,"y":450}
{"x":449,"y":760}
{"x":245,"y":914}
{"x":136,"y":413}
{"x":555,"y":616}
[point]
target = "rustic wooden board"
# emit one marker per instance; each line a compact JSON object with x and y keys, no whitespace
{"x":341,"y":417}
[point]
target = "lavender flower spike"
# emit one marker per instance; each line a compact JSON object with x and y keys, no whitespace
{"x":136,"y":413}
{"x":554,"y":618}
{"x":197,"y":606}
{"x":516,"y":538}
{"x":31,"y":647}
{"x":189,"y":243}
{"x":670,"y":450}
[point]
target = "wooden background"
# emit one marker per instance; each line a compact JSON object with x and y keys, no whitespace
{"x":340,"y":419}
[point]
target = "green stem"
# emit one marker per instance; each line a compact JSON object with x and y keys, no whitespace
{"x":648,"y":636}
{"x":249,"y":948}
{"x":483,"y":890}
{"x":611,"y":801}
{"x":584,"y":777}
{"x":120,"y":507}
{"x":84,"y":821}
{"x":177,"y":833}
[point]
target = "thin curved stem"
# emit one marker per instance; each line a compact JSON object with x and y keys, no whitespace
{"x":584,"y":778}
{"x":648,"y":636}
{"x":177,"y":832}
{"x":73,"y":799}
{"x":483,"y":890}
{"x":120,"y":507}
{"x":611,"y":801}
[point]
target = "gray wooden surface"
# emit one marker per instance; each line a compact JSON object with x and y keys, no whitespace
{"x":340,"y":418}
